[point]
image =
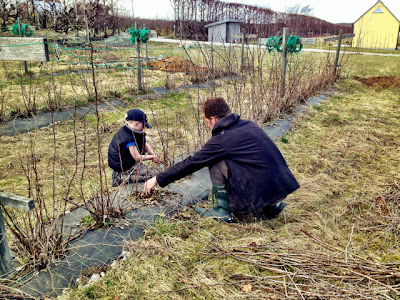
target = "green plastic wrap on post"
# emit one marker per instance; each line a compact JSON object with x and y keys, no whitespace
{"x":293,"y":44}
{"x":139,"y":35}
{"x":25,"y":31}
{"x":144,"y":35}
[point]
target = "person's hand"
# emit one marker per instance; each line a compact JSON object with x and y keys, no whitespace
{"x":156,"y":159}
{"x":149,"y":184}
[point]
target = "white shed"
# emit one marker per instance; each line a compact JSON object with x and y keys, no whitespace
{"x":222,"y":31}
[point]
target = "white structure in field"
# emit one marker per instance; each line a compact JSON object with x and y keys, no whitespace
{"x":222,"y":31}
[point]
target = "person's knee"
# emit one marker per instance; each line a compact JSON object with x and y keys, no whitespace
{"x":219,"y":173}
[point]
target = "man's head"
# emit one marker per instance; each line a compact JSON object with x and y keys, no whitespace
{"x":135,"y":116}
{"x":214,"y":109}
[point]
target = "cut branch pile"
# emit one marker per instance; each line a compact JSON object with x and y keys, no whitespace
{"x":302,"y":273}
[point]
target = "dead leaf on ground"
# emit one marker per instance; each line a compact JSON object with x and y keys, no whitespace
{"x":247,"y":288}
{"x":253,"y":245}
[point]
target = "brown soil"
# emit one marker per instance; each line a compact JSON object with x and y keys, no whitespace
{"x":176,"y":64}
{"x":382,"y":81}
{"x":179,"y":64}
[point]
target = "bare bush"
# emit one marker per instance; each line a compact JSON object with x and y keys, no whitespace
{"x":39,"y":234}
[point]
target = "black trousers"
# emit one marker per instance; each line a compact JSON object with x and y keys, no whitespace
{"x":219,"y":176}
{"x":219,"y":173}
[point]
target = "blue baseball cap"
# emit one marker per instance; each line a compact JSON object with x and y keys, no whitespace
{"x":137,"y":115}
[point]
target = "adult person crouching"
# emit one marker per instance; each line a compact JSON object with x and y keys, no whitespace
{"x":248,"y":172}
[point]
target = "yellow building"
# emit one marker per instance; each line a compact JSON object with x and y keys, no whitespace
{"x":377,"y":28}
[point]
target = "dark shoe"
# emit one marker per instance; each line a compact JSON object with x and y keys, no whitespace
{"x":271,"y":212}
{"x":140,"y":173}
{"x":116,"y":178}
{"x":221,"y":209}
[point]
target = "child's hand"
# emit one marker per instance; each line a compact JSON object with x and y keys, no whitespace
{"x":156,"y":159}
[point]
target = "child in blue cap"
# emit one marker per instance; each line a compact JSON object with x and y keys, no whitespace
{"x":128,"y":148}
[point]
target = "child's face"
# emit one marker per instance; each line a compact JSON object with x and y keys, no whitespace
{"x":136,"y":125}
{"x":139,"y":126}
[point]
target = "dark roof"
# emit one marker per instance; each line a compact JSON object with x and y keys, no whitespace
{"x":222,"y":22}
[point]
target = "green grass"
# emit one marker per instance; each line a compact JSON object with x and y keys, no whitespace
{"x":368,"y":65}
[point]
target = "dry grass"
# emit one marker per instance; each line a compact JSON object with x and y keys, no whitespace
{"x":67,"y":157}
{"x":345,"y":156}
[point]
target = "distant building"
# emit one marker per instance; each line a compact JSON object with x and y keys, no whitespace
{"x":223,"y":31}
{"x":377,"y":28}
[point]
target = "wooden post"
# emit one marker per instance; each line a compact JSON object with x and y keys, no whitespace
{"x":5,"y":256}
{"x":338,"y":53}
{"x":21,"y":35}
{"x":13,"y":201}
{"x":284,"y":61}
{"x":139,"y":71}
{"x":243,"y":37}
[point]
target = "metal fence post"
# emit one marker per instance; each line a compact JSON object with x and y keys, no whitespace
{"x":139,"y":71}
{"x":284,"y":61}
{"x":243,"y":37}
{"x":21,"y":35}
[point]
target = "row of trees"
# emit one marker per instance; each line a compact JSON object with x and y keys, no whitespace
{"x":191,"y":15}
{"x":64,"y":15}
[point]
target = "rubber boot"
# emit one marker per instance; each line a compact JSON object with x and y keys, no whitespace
{"x":270,"y":212}
{"x":221,"y":209}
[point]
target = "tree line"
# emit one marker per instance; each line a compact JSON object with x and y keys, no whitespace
{"x":190,"y":16}
{"x":104,"y":17}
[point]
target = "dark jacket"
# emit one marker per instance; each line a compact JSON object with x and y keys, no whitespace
{"x":258,"y":174}
{"x":119,"y":158}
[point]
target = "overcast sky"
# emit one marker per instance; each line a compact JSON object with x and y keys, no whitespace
{"x":337,"y":11}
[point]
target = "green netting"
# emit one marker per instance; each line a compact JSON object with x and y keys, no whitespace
{"x":81,"y":57}
{"x":21,"y":45}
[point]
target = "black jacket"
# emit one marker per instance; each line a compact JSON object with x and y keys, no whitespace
{"x":258,"y":174}
{"x":119,"y":158}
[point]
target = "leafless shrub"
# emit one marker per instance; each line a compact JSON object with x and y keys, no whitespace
{"x":54,"y":97}
{"x":102,"y":206}
{"x":29,"y":95}
{"x":40,"y":235}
